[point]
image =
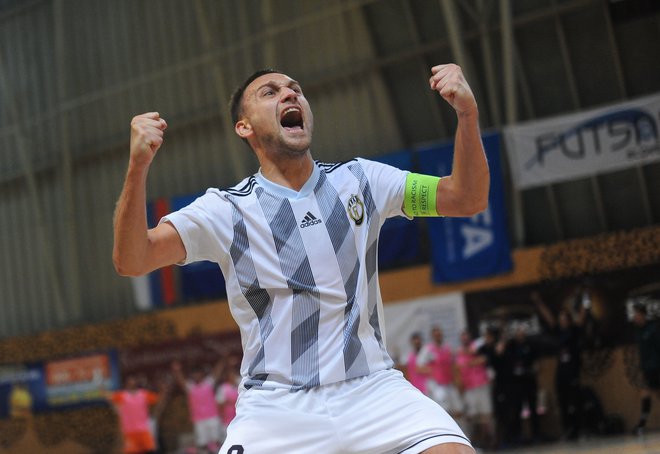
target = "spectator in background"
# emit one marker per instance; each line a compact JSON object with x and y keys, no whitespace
{"x":648,"y":341}
{"x":567,"y":333}
{"x":436,"y":360}
{"x":163,"y":386}
{"x":494,"y":348}
{"x":200,"y":389}
{"x":227,"y":393}
{"x":132,"y":406}
{"x":415,"y":375}
{"x":475,"y":384}
{"x":523,"y":357}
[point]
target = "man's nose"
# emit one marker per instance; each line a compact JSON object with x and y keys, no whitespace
{"x":288,"y":94}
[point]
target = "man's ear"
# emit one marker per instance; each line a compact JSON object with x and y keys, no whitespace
{"x":243,"y":129}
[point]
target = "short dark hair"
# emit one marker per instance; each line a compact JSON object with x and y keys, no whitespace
{"x":493,"y":331}
{"x":235,"y":103}
{"x":640,"y":308}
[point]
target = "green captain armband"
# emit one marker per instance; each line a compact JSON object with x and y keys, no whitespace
{"x":419,"y":197}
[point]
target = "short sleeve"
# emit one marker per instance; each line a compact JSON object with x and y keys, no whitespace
{"x":387,"y":186}
{"x":203,"y":226}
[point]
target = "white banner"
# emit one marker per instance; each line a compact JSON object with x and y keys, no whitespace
{"x":420,"y":315}
{"x":585,"y":143}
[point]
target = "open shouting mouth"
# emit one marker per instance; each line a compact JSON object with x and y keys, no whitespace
{"x":292,"y":119}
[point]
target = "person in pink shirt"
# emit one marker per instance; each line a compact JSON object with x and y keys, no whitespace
{"x":227,"y":393}
{"x":436,"y":360}
{"x":415,"y":375}
{"x":132,"y":406}
{"x":200,"y":390}
{"x":475,"y":385}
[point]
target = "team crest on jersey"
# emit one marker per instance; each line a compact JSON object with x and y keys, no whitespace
{"x":355,"y":209}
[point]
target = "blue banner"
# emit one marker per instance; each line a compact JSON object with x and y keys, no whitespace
{"x":469,"y":248}
{"x":400,"y":239}
{"x":22,"y":390}
{"x":202,"y":281}
{"x":171,"y":285}
{"x":198,"y":281}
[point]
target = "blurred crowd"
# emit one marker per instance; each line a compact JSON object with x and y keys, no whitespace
{"x":490,"y":385}
{"x":211,"y":395}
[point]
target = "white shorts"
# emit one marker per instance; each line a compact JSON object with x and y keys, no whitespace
{"x":378,"y":414}
{"x":447,"y":396}
{"x":478,"y":401}
{"x":207,"y":431}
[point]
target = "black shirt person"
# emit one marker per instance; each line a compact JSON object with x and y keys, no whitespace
{"x":567,"y":333}
{"x":647,"y":335}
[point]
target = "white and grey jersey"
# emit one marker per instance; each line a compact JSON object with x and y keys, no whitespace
{"x":301,"y":269}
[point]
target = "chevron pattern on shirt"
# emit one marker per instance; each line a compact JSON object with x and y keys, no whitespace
{"x":300,"y":279}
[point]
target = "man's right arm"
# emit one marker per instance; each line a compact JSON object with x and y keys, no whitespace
{"x":138,"y":249}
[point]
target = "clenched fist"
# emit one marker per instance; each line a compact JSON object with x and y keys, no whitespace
{"x":146,"y":137}
{"x":448,"y":80}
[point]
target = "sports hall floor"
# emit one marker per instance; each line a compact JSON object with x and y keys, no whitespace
{"x":648,"y":444}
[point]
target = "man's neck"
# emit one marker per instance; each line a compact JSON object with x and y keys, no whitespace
{"x":290,"y":172}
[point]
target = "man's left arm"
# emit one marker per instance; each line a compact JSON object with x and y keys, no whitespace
{"x":464,"y":192}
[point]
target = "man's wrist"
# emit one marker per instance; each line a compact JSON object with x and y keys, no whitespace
{"x":138,"y":165}
{"x":137,"y":170}
{"x":471,"y":113}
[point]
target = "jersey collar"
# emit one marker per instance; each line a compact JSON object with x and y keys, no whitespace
{"x":289,"y":193}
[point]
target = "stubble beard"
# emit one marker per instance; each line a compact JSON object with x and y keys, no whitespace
{"x":291,"y":149}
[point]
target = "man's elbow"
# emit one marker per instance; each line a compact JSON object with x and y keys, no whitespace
{"x":468,"y":213}
{"x":125,"y":268}
{"x":464,"y":200}
{"x":479,"y":206}
{"x":474,"y":205}
{"x":127,"y":271}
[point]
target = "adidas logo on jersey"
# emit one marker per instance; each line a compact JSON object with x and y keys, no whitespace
{"x":309,"y":220}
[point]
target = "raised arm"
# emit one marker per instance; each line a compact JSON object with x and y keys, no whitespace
{"x":219,"y":369}
{"x":137,"y":249}
{"x":543,"y":309}
{"x":465,"y":191}
{"x":177,"y":373}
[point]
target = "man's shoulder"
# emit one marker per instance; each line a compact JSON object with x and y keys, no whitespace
{"x":354,"y":168}
{"x":242,"y":189}
{"x":334,"y":167}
